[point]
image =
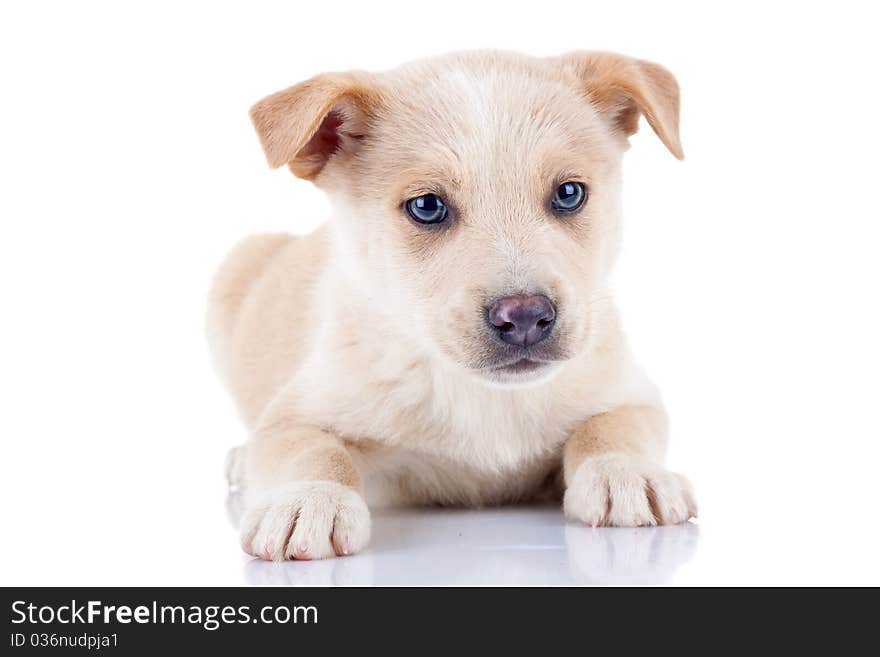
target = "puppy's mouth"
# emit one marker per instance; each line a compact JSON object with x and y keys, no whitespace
{"x":521,"y":368}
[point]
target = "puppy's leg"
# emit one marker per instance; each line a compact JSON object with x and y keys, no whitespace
{"x":235,"y":467}
{"x":303,"y":495}
{"x":613,"y":472}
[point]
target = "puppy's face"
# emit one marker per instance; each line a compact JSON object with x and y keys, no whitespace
{"x":477,"y":195}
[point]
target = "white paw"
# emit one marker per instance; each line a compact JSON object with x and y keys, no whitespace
{"x":626,"y":491}
{"x":305,"y":520}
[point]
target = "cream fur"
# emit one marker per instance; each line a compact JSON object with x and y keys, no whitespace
{"x":357,"y":355}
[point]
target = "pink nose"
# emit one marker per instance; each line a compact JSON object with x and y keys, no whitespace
{"x":522,"y":320}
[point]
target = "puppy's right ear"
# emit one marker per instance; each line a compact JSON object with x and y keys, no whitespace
{"x":307,"y":124}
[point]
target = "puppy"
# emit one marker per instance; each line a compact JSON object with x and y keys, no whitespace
{"x":448,"y":337}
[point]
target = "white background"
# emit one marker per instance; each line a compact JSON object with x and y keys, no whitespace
{"x":749,"y":277}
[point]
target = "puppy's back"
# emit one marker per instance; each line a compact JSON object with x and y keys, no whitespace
{"x":258,"y":314}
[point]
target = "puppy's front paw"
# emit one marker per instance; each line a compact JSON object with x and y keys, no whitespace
{"x":626,"y":491}
{"x":305,"y":520}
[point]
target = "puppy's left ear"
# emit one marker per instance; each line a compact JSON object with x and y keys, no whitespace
{"x":623,"y":88}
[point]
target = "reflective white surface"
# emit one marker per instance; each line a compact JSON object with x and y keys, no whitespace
{"x":520,"y":546}
{"x":746,"y":283}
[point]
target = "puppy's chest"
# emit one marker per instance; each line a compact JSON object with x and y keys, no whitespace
{"x":479,"y":447}
{"x":422,"y":435}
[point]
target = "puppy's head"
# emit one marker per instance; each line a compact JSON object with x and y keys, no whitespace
{"x":477,"y":195}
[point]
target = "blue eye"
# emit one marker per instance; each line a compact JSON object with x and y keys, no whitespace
{"x":427,"y":209}
{"x":569,"y":197}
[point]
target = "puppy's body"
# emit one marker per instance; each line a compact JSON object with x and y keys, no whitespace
{"x":420,"y":431}
{"x":360,"y":357}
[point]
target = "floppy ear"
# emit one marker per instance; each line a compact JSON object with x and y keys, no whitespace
{"x":623,"y":88}
{"x":307,"y":124}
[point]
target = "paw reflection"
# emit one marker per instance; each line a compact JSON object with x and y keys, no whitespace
{"x":629,"y":555}
{"x":341,"y":571}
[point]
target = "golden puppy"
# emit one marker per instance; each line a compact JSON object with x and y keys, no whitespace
{"x":448,"y":336}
